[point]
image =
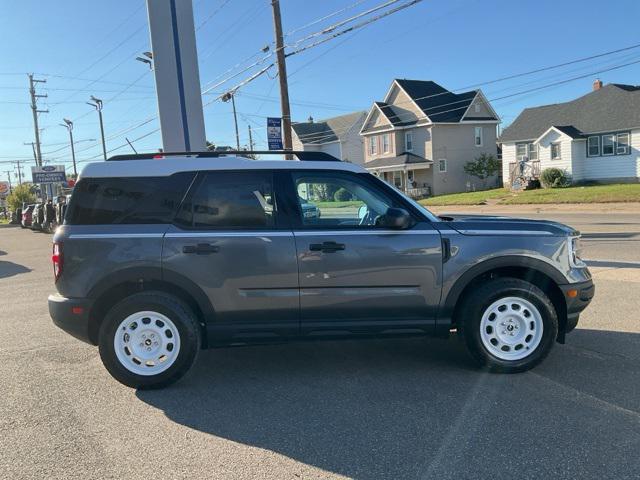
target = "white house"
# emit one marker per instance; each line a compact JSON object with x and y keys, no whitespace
{"x":593,"y":138}
{"x":337,"y":136}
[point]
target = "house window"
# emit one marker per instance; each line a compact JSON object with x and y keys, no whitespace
{"x":622,"y":145}
{"x":408,"y":141}
{"x":478,"y":136}
{"x":593,"y":146}
{"x":373,"y":146}
{"x":555,"y":151}
{"x":477,"y":108}
{"x":529,"y":150}
{"x":410,"y":176}
{"x":397,"y":179}
{"x":442,"y":165}
{"x":385,"y":143}
{"x":608,"y":144}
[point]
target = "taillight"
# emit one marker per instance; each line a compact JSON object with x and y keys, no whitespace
{"x":56,"y":258}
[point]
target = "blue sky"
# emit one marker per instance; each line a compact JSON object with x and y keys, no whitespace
{"x":87,"y":47}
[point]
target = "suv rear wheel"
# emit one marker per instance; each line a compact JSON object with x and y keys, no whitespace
{"x":149,"y":340}
{"x":509,"y":325}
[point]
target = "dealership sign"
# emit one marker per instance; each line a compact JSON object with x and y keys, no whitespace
{"x":48,"y":174}
{"x":274,"y":133}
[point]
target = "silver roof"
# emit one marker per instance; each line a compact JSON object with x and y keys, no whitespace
{"x":166,"y":166}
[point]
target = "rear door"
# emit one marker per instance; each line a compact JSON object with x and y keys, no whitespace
{"x":231,"y":240}
{"x":356,"y":276}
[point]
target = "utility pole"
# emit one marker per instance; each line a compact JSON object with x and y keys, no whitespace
{"x":34,"y":109}
{"x":33,"y":147}
{"x":250,"y":139}
{"x":8,"y":172}
{"x":19,"y":172}
{"x":97,"y":103}
{"x":282,"y":76}
{"x":68,"y":124}
{"x":225,"y":98}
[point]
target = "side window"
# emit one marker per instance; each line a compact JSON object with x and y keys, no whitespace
{"x":335,"y":200}
{"x":231,"y":200}
{"x":127,"y":200}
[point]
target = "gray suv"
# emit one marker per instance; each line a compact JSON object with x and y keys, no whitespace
{"x":160,"y":257}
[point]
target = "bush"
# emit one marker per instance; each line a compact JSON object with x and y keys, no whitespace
{"x":20,"y":194}
{"x":342,"y":195}
{"x":554,"y":178}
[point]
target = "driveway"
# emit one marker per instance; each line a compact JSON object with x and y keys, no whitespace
{"x":377,"y":409}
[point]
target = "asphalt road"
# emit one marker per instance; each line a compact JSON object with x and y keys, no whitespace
{"x":376,"y":409}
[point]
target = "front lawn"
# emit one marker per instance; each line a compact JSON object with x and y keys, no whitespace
{"x":469,"y":198}
{"x":623,"y":192}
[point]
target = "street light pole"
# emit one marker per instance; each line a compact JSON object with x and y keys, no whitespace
{"x":97,"y":104}
{"x":69,"y":126}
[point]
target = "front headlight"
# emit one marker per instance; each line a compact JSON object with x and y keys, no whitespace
{"x":575,"y":252}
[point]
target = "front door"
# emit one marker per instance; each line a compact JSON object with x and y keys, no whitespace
{"x":230,"y":240}
{"x":354,"y":275}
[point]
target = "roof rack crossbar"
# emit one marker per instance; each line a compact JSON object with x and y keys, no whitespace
{"x":300,"y":155}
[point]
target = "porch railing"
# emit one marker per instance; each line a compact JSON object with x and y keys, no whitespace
{"x":530,"y":170}
{"x":418,"y":193}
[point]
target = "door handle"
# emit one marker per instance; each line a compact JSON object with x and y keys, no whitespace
{"x":326,"y":247}
{"x":200,"y":249}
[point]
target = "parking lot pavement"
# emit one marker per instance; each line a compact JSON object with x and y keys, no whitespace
{"x":376,"y":409}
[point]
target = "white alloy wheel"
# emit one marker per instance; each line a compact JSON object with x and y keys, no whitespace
{"x":147,"y":343}
{"x":511,"y":328}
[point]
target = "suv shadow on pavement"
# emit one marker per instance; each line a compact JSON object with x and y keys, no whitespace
{"x":417,"y":408}
{"x":10,"y":269}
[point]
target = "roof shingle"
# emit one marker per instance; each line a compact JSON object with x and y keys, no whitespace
{"x":613,"y":107}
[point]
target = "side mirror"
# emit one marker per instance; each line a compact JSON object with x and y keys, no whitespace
{"x":396,"y":218}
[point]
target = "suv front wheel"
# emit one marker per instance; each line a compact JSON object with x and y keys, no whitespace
{"x":149,"y":340}
{"x":509,"y":325}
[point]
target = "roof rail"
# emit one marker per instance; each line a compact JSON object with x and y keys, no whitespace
{"x":301,"y":155}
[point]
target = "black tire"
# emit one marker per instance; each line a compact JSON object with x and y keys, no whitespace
{"x":469,"y":316}
{"x":174,"y":309}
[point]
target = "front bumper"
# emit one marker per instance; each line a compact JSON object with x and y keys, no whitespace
{"x":576,"y":304}
{"x":71,"y":315}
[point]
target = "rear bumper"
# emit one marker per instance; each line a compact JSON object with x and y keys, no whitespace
{"x":71,"y":315}
{"x":575,"y":305}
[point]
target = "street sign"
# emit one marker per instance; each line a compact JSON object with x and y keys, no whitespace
{"x":4,"y":189}
{"x":48,"y":174}
{"x":274,"y":133}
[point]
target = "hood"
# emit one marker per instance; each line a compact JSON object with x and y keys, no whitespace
{"x":494,"y":225}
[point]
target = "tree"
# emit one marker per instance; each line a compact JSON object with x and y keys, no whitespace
{"x":21,"y":193}
{"x":483,"y":167}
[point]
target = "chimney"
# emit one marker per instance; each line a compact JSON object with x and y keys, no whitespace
{"x":597,"y":84}
{"x":310,"y":119}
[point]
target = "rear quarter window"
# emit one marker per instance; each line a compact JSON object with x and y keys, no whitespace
{"x":99,"y":201}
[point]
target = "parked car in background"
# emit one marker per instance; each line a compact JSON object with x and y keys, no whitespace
{"x":37,"y":217}
{"x":16,"y":216}
{"x":27,"y":216}
{"x":50,"y":222}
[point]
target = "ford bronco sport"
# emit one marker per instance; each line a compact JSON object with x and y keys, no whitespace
{"x":162,"y":255}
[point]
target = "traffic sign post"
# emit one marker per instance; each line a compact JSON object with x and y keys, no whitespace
{"x":274,"y":133}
